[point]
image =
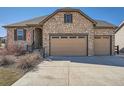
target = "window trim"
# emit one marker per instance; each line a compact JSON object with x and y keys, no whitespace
{"x":66,"y":20}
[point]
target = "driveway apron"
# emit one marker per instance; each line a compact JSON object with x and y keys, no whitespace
{"x":76,"y":71}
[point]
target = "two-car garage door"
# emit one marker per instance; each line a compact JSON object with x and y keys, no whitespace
{"x":68,"y":45}
{"x":77,"y":45}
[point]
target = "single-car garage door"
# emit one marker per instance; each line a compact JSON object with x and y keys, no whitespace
{"x":68,"y":45}
{"x":102,"y":45}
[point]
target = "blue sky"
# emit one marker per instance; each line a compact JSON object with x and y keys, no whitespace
{"x":12,"y":15}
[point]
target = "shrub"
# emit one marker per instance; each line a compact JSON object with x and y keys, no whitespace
{"x":28,"y":61}
{"x":17,"y":50}
{"x":7,"y":60}
{"x":2,"y":51}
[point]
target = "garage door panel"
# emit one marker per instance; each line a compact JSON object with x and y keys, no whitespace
{"x":66,"y":52}
{"x":69,"y":46}
{"x":102,"y":45}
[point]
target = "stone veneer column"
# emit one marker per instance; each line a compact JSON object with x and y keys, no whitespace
{"x":90,"y":45}
{"x":29,"y":35}
{"x":10,"y":38}
{"x":46,"y":42}
{"x":113,"y":44}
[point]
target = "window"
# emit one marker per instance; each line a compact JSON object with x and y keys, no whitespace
{"x":72,"y":36}
{"x":81,"y":36}
{"x":54,"y":37}
{"x":68,"y":18}
{"x":97,"y":37}
{"x":106,"y":37}
{"x":64,"y":37}
{"x":20,"y":34}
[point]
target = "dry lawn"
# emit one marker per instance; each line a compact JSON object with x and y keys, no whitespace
{"x":14,"y":67}
{"x":8,"y":76}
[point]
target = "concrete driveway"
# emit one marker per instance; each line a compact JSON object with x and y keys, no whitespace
{"x":75,"y":71}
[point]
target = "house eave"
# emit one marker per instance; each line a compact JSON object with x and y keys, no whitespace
{"x":27,"y":25}
{"x":121,"y":25}
{"x":104,"y":27}
{"x":34,"y":25}
{"x":13,"y":26}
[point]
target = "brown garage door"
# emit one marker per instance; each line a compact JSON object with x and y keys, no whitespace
{"x":102,"y":45}
{"x":68,"y":46}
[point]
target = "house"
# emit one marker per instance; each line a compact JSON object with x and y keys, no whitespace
{"x":119,"y":37}
{"x":3,"y":39}
{"x":65,"y":32}
{"x":3,"y":42}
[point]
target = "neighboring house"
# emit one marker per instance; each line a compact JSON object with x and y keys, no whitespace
{"x":3,"y":42}
{"x":66,"y":32}
{"x":3,"y":39}
{"x":119,"y":37}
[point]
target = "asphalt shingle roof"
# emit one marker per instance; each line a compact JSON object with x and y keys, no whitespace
{"x":104,"y":24}
{"x":37,"y":20}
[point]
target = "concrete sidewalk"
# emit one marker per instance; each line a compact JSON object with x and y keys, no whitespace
{"x":58,"y":72}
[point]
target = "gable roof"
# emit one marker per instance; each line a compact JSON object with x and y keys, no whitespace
{"x":42,"y":19}
{"x":68,"y":10}
{"x":119,"y":27}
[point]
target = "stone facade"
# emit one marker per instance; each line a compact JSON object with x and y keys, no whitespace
{"x":56,"y":25}
{"x":80,"y":25}
{"x":11,"y":43}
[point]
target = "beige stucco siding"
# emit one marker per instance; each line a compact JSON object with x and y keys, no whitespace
{"x":119,"y":38}
{"x":56,"y":25}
